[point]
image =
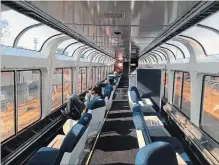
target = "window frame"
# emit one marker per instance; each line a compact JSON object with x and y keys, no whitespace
{"x":202,"y":103}
{"x":181,"y":96}
{"x":16,"y":103}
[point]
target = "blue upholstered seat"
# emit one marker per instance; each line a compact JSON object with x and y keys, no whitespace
{"x":157,"y":153}
{"x":137,"y":119}
{"x":51,"y":156}
{"x":85,"y":119}
{"x":96,"y":103}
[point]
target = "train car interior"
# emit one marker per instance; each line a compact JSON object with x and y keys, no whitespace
{"x":109,"y":82}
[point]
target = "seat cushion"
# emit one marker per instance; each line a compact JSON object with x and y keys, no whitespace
{"x":85,"y":119}
{"x":157,"y":153}
{"x":44,"y":156}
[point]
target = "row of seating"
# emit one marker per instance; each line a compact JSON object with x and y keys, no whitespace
{"x":68,"y":148}
{"x":155,"y":138}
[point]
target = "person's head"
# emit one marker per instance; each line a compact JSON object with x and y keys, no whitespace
{"x":110,"y":81}
{"x":96,"y":91}
{"x":115,"y":73}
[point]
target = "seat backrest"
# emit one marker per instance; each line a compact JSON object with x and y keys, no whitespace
{"x":70,"y":141}
{"x":135,"y":94}
{"x":85,"y":119}
{"x":98,"y":103}
{"x":140,"y":124}
{"x":72,"y":157}
{"x":72,"y":138}
{"x":156,"y":153}
{"x":97,"y":109}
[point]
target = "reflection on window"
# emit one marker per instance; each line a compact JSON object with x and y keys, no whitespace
{"x":166,"y":85}
{"x":67,"y":84}
{"x":92,"y":77}
{"x":12,"y":23}
{"x":60,"y":49}
{"x":57,"y":89}
{"x":79,"y":87}
{"x":186,"y":95}
{"x":28,"y":97}
{"x":207,"y":38}
{"x":177,"y":88}
{"x":34,"y":38}
{"x":84,"y":79}
{"x":210,"y":108}
{"x":7,"y":105}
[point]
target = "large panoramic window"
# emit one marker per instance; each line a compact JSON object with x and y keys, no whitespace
{"x":84,"y":79}
{"x":177,"y":88}
{"x":28,"y":97}
{"x":186,"y":94}
{"x":7,"y":105}
{"x":57,"y":89}
{"x":182,"y":92}
{"x":79,"y":80}
{"x":210,"y":107}
{"x":27,"y":93}
{"x":67,"y":84}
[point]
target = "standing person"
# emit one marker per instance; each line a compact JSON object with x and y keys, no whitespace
{"x":108,"y":88}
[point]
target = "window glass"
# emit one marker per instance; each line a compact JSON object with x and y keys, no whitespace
{"x":175,"y":50}
{"x":186,"y":95}
{"x":79,"y":81}
{"x":7,"y":123}
{"x":177,"y":88}
{"x":12,"y":23}
{"x":63,"y":45}
{"x":182,"y":47}
{"x":67,"y":84}
{"x":210,"y":107}
{"x":92,"y":77}
{"x":70,"y":50}
{"x":84,"y":79}
{"x":28,"y":97}
{"x":207,"y":38}
{"x":57,"y":89}
{"x":34,"y":38}
{"x":166,"y":86}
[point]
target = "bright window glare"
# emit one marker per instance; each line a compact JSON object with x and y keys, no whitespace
{"x":182,"y":47}
{"x":211,"y":21}
{"x":72,"y":48}
{"x":12,"y":23}
{"x":63,"y":45}
{"x":35,"y":37}
{"x":207,"y":38}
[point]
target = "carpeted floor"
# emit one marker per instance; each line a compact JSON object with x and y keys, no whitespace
{"x":117,"y":143}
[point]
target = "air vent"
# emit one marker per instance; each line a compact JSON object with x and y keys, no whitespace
{"x":114,"y":15}
{"x":117,"y":32}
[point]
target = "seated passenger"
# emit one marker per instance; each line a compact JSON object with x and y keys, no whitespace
{"x":108,"y":88}
{"x":96,"y":95}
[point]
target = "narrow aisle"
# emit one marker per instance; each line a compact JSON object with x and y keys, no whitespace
{"x":117,"y":143}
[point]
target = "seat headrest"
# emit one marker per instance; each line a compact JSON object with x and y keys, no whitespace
{"x":97,"y":104}
{"x":156,"y":153}
{"x":85,"y":119}
{"x":72,"y":138}
{"x":136,"y":108}
{"x":134,"y":93}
